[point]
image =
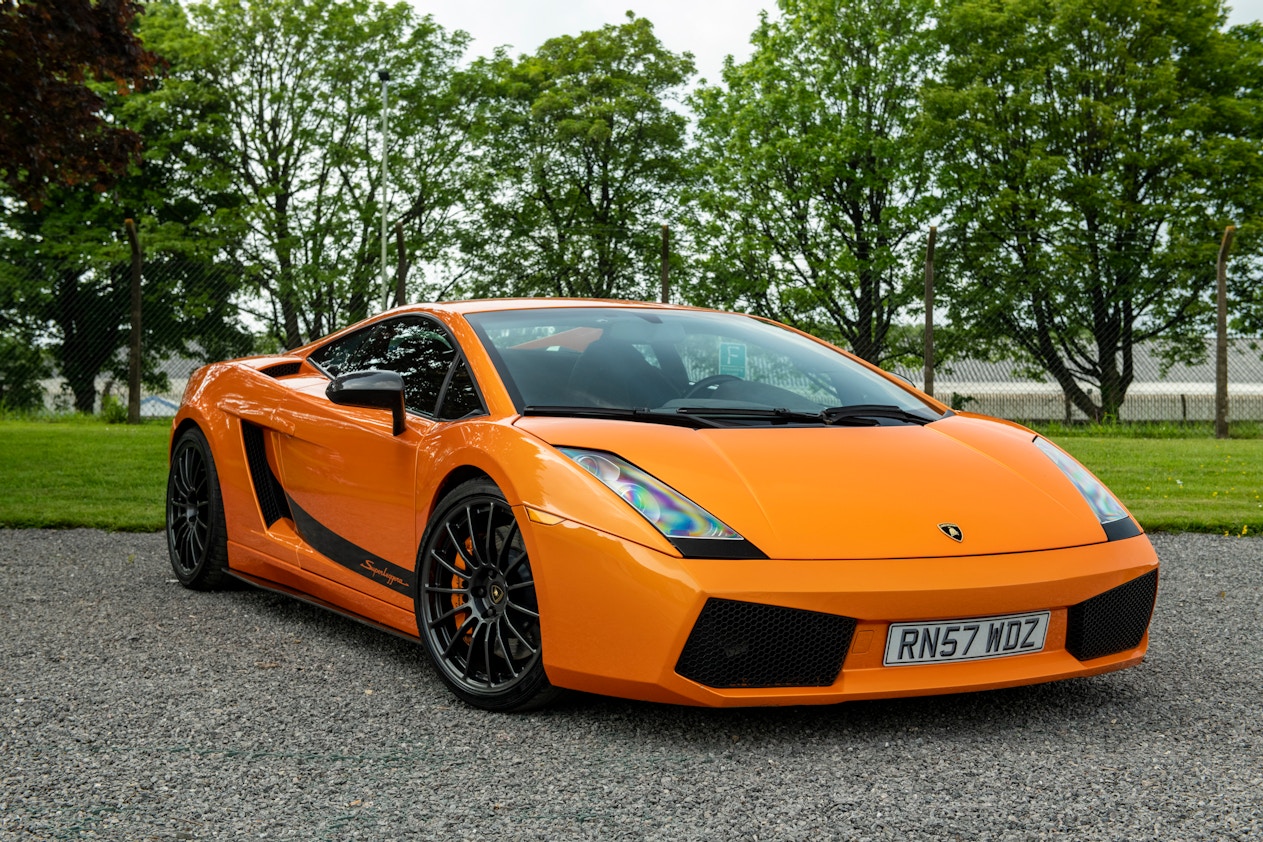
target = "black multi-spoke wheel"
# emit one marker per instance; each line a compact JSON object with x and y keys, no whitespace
{"x":196,"y":532}
{"x":476,"y":605}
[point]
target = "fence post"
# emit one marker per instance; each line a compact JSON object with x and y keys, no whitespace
{"x":133,"y":361}
{"x":1221,"y":336}
{"x":929,"y":312}
{"x":666,"y":264}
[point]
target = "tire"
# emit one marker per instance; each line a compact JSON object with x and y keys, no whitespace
{"x":197,"y":536}
{"x":477,"y":611}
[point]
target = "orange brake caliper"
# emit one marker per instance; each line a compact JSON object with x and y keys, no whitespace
{"x":459,"y":582}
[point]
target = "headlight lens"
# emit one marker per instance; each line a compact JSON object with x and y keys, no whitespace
{"x":1104,"y":504}
{"x":675,"y":515}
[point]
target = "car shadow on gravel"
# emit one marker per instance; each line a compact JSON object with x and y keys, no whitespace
{"x":1069,"y":704}
{"x":995,"y":712}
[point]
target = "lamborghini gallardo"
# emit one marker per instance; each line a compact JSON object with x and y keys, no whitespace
{"x":653,"y":502}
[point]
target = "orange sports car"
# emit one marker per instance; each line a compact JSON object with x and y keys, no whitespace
{"x":654,"y":502}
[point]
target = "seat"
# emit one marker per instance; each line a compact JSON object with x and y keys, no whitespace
{"x":612,"y":373}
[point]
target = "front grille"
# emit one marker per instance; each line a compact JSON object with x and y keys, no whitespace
{"x":1112,"y":622}
{"x":745,"y":644}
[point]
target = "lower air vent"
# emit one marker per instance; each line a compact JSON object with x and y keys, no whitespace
{"x":746,"y":644}
{"x":272,"y":502}
{"x":1112,"y":622}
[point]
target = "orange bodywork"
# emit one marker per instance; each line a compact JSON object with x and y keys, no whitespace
{"x":848,"y":518}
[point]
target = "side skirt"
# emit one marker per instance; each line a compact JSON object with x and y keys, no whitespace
{"x":276,"y":587}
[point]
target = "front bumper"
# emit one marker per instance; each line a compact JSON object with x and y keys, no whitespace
{"x":616,"y":616}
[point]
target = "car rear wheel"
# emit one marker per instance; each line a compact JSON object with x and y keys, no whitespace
{"x":197,"y":536}
{"x":476,"y":606}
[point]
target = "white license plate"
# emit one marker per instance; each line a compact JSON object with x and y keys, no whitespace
{"x":965,"y":640}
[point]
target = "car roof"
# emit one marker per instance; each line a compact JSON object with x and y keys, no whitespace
{"x":483,"y":305}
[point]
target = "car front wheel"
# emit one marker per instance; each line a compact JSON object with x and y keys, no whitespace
{"x":476,"y":606}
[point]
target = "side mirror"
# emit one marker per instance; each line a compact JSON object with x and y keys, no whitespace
{"x":372,"y":389}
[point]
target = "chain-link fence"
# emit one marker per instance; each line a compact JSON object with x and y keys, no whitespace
{"x":1159,"y":391}
{"x":64,"y":342}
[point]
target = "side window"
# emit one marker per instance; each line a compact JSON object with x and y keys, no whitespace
{"x":461,"y":398}
{"x":418,"y":350}
{"x":422,"y":355}
{"x":339,"y":357}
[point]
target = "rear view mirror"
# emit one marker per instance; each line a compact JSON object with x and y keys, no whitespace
{"x":372,"y":389}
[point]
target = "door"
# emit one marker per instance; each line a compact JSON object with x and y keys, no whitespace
{"x":350,"y":482}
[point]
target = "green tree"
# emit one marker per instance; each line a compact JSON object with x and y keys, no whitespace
{"x":23,"y":364}
{"x":1082,"y":143}
{"x":579,"y":162}
{"x":813,"y":194}
{"x":67,"y":269}
{"x":302,"y":104}
{"x":1239,"y":185}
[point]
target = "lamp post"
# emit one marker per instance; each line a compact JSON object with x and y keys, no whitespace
{"x":384,"y":76}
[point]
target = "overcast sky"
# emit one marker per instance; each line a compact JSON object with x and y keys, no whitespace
{"x":709,"y":29}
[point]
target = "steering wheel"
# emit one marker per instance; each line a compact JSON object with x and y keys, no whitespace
{"x":706,"y":382}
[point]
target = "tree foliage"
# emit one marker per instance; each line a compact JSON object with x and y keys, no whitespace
{"x":813,"y":192}
{"x":66,"y":264}
{"x":52,"y":131}
{"x":1239,"y":186}
{"x":1084,"y":140}
{"x":1081,"y":157}
{"x":579,"y":162}
{"x":301,"y":122}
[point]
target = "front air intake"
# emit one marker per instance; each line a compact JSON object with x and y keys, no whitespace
{"x":1112,"y":622}
{"x":746,"y":644}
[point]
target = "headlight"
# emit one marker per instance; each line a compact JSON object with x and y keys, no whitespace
{"x":694,"y":531}
{"x":1110,"y":512}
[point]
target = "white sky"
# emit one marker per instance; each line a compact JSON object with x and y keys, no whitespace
{"x":709,"y":29}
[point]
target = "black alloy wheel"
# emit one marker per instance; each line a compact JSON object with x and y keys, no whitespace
{"x":197,"y":536}
{"x":476,"y":606}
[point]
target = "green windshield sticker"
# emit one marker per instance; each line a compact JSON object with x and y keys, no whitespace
{"x":732,"y":359}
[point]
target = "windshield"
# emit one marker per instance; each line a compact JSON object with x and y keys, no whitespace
{"x":670,"y":361}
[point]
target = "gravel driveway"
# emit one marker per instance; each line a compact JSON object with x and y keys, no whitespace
{"x":133,"y":709}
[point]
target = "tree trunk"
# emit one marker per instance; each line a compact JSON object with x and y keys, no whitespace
{"x":89,"y":324}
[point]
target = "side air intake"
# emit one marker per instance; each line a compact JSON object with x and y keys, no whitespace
{"x":267,"y":488}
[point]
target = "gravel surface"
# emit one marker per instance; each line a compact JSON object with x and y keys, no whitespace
{"x":133,"y":709}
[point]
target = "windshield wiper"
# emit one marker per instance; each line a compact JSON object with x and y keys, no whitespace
{"x":859,"y":415}
{"x":699,"y":417}
{"x":775,"y":414}
{"x":619,"y":414}
{"x":867,"y":414}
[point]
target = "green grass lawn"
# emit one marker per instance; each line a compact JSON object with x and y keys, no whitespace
{"x":1179,"y":484}
{"x":112,"y":476}
{"x":83,"y":473}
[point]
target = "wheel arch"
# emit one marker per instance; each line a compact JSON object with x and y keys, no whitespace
{"x":455,"y":477}
{"x":180,"y":428}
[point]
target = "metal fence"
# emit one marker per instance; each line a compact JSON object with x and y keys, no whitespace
{"x":1181,"y":392}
